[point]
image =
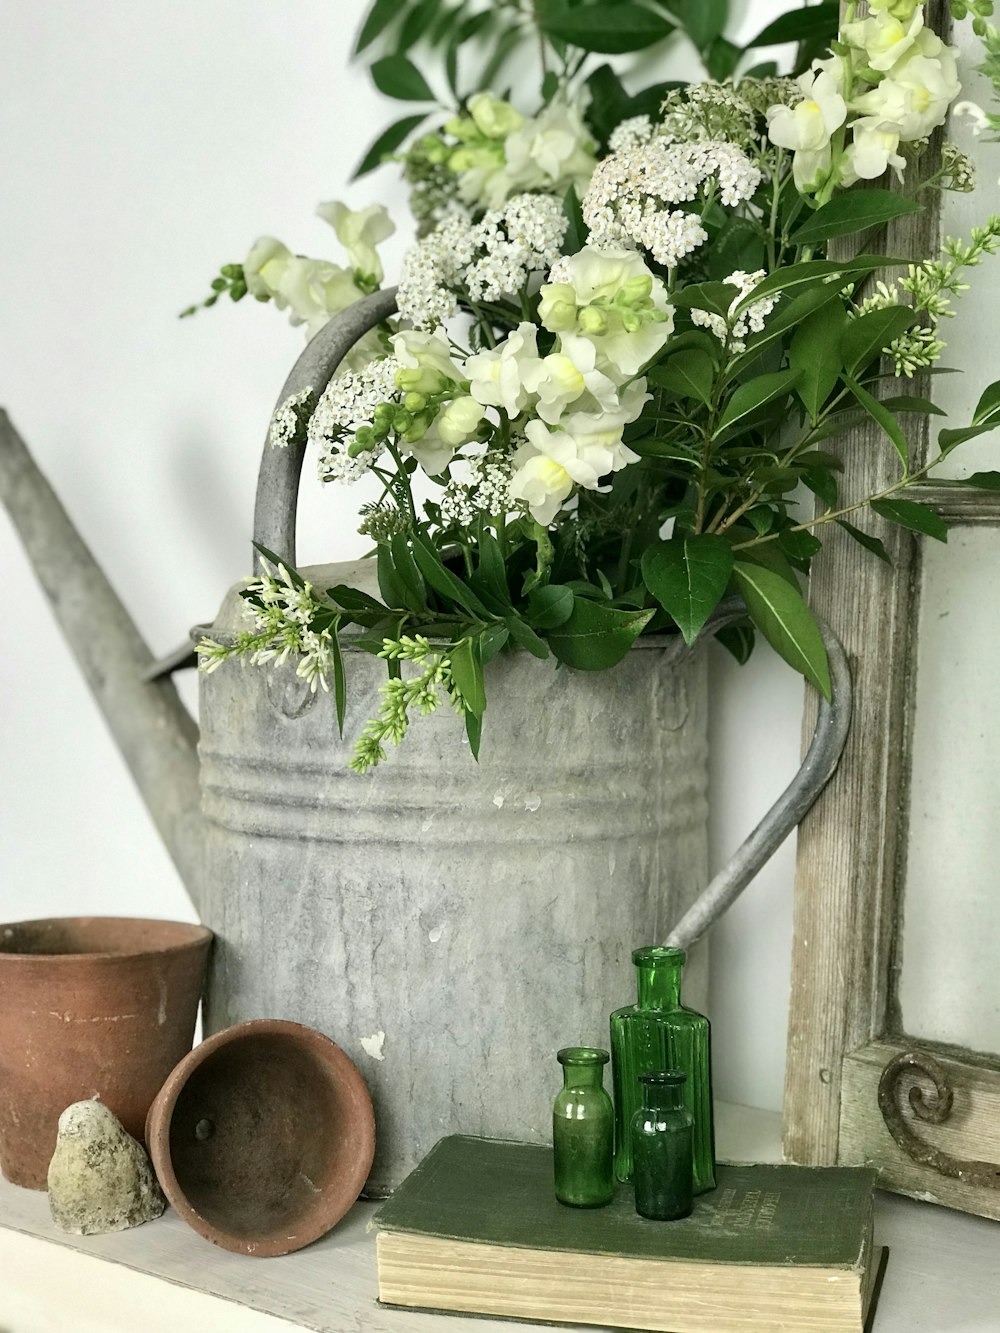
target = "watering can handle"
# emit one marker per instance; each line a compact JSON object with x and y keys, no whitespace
{"x":817,"y":768}
{"x":274,"y":528}
{"x":280,"y":469}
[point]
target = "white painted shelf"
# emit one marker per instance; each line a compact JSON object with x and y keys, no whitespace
{"x":943,"y":1275}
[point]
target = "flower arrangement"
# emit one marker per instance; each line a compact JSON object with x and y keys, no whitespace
{"x":628,"y":332}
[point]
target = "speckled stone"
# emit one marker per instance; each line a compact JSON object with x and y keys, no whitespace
{"x":100,"y":1178}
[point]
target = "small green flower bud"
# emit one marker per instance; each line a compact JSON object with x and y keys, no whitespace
{"x":401,"y":420}
{"x":631,"y":322}
{"x":232,"y":271}
{"x":364,"y":438}
{"x":414,"y":402}
{"x":592,"y":320}
{"x":636,"y":289}
{"x":383,"y":414}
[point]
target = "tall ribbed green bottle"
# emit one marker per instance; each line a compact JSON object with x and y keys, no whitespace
{"x":659,"y":1033}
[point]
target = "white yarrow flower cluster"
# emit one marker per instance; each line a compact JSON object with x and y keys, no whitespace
{"x":290,"y":419}
{"x":347,"y":405}
{"x":485,"y":490}
{"x":488,"y":259}
{"x":734,"y":331}
{"x":630,"y":198}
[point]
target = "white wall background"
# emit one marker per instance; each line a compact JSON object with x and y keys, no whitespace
{"x":142,"y":148}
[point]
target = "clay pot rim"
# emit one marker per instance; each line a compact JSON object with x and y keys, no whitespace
{"x":160,"y":1116}
{"x":197,"y":935}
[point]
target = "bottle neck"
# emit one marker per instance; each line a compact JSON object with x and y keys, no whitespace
{"x":663,"y":1096}
{"x":583,"y":1076}
{"x":659,"y":983}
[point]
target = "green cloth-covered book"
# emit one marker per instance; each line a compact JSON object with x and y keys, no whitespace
{"x":774,"y":1249}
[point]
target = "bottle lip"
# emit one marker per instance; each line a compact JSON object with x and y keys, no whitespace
{"x":582,"y":1055}
{"x":655,"y":953}
{"x":664,"y":1078}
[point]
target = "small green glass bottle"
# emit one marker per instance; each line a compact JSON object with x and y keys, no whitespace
{"x":655,"y":1034}
{"x":583,"y":1130}
{"x":663,"y":1149}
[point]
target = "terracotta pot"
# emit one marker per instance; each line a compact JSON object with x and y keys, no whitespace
{"x":91,"y":1007}
{"x":262,"y":1137}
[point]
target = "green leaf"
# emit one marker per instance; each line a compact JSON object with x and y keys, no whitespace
{"x":610,"y":29}
{"x":983,"y":481}
{"x":822,"y":484}
{"x":443,"y":581}
{"x":474,"y":731}
{"x":397,"y":76}
{"x":416,"y":23}
{"x":688,"y":578}
{"x":352,"y":599}
{"x":780,"y":613}
{"x":490,"y":579}
{"x":884,"y":418}
{"x":867,"y":336}
{"x":815,"y":352}
{"x":915,"y":517}
{"x":737,"y":639}
{"x":715,"y":297}
{"x":951,"y":439}
{"x":756,"y":393}
{"x":387,"y":143}
{"x":406,"y":569}
{"x":905,"y":402}
{"x":549,"y":607}
{"x":853,"y":211}
{"x":596,"y":636}
{"x":576,"y":231}
{"x":688,"y":374}
{"x":391,"y":586}
{"x":721,"y":59}
{"x":817,"y":273}
{"x":799,"y":24}
{"x":703,"y":21}
{"x":865,"y":539}
{"x":491,"y":641}
{"x":799,"y":544}
{"x":739,"y":245}
{"x":525,"y":637}
{"x":988,"y":405}
{"x":378,"y":19}
{"x":467,"y":673}
{"x":339,"y":676}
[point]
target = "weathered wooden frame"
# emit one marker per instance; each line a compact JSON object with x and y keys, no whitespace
{"x":845,"y":1026}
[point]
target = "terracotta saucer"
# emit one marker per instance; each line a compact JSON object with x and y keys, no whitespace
{"x":263,"y":1137}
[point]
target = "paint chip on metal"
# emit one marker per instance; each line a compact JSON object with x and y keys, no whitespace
{"x":373,"y":1045}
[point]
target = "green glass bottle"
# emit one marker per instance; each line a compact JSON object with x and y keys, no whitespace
{"x":663,"y":1148}
{"x":583,"y":1130}
{"x":655,"y":1034}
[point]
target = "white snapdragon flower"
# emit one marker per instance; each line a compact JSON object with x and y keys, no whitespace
{"x":359,"y":232}
{"x":917,"y":92}
{"x":425,"y":360}
{"x":807,"y":126}
{"x":264,"y":267}
{"x":611,"y":298}
{"x":315,"y":290}
{"x":570,"y":375}
{"x":507,"y":375}
{"x":873,"y":151}
{"x":459,"y":421}
{"x":493,"y":117}
{"x":883,"y":38}
{"x":551,"y":152}
{"x":548,"y":466}
{"x":899,"y":9}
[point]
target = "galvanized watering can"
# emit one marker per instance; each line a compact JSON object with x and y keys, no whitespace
{"x":449,"y":923}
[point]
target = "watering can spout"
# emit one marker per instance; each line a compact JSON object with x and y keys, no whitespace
{"x":152,"y":728}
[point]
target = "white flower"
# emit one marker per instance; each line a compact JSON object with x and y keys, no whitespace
{"x":734,"y":331}
{"x":569,"y":375}
{"x":630,"y":133}
{"x":611,"y":298}
{"x":899,"y":9}
{"x":425,"y":361}
{"x":493,"y":117}
{"x":551,"y":152}
{"x":315,"y":290}
{"x":348,"y":405}
{"x":627,"y":201}
{"x":808,"y":125}
{"x":884,"y":38}
{"x":359,"y":232}
{"x":485,"y":490}
{"x":431,"y":451}
{"x":547,"y":467}
{"x":264,"y":268}
{"x":506,"y":376}
{"x":872,"y":152}
{"x":916,"y":94}
{"x":458,"y":423}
